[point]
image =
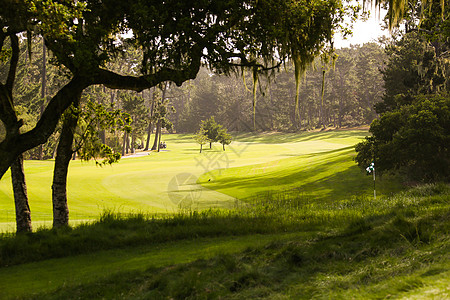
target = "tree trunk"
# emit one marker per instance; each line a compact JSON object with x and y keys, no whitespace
{"x":201,"y":147}
{"x":157,"y":133}
{"x":133,"y":141}
{"x":341,"y":102}
{"x":159,"y":139}
{"x":43,"y":92}
{"x":12,"y":126}
{"x":149,"y":133}
{"x":127,"y":144}
{"x":63,"y":156}
{"x":102,"y":136}
{"x":150,"y":126}
{"x":54,"y":151}
{"x":23,"y":213}
{"x":210,"y":145}
{"x":322,"y":119}
{"x":124,"y":144}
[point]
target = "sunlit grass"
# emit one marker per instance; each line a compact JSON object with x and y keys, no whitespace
{"x":146,"y":184}
{"x":281,"y":246}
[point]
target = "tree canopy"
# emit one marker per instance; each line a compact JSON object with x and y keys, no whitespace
{"x":174,"y":38}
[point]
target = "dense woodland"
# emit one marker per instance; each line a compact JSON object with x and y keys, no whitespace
{"x":351,"y":87}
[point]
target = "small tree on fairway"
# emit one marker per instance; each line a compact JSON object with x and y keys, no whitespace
{"x":224,"y":138}
{"x":201,"y":138}
{"x":211,"y":130}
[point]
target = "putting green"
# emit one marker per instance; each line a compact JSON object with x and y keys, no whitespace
{"x":166,"y":181}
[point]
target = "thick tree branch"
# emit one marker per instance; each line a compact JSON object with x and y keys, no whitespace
{"x":12,"y":146}
{"x":7,"y":112}
{"x":260,"y":67}
{"x":421,"y":30}
{"x":140,"y":83}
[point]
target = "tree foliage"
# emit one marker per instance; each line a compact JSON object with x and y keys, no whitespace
{"x":93,"y":118}
{"x":413,"y":140}
{"x":412,"y":69}
{"x":224,"y":138}
{"x":201,"y":138}
{"x":176,"y":38}
{"x":212,"y":132}
{"x":351,"y":89}
{"x":412,"y":135}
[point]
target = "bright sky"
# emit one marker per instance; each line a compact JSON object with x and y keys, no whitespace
{"x":364,"y":32}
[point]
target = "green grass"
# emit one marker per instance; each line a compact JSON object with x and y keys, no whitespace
{"x":149,"y":184}
{"x":292,"y":218}
{"x":48,"y":275}
{"x":281,"y":247}
{"x":330,"y":175}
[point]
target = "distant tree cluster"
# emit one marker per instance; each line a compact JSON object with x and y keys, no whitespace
{"x":351,"y":88}
{"x":211,"y":132}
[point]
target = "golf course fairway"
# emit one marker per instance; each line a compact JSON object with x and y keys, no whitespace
{"x":318,"y":164}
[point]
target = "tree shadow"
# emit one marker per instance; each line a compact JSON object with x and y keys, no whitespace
{"x":316,"y":180}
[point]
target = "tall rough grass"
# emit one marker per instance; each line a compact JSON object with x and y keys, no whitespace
{"x":286,"y":211}
{"x":359,"y":248}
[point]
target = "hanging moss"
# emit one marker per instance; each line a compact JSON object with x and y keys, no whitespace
{"x":255,"y":82}
{"x":300,"y":65}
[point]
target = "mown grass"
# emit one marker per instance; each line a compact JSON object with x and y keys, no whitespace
{"x":393,"y":247}
{"x":325,"y":176}
{"x":146,"y":184}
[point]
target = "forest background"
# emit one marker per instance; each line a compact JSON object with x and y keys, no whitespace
{"x":350,"y":89}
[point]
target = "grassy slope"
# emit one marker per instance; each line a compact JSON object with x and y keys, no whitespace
{"x":397,"y":247}
{"x":149,"y":184}
{"x":345,"y":246}
{"x":46,"y":276}
{"x":317,"y":169}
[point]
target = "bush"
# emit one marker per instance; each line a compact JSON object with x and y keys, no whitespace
{"x":412,"y":140}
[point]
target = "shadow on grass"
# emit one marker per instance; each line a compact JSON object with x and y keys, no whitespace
{"x":338,"y":179}
{"x":279,"y":138}
{"x":349,"y":262}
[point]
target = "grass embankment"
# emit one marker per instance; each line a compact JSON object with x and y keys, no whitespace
{"x":278,"y":247}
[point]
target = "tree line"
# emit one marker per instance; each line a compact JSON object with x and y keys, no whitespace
{"x":350,"y":89}
{"x":412,"y":136}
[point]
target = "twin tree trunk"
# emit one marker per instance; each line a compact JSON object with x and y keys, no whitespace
{"x":150,"y":126}
{"x":157,"y":134}
{"x":63,"y":157}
